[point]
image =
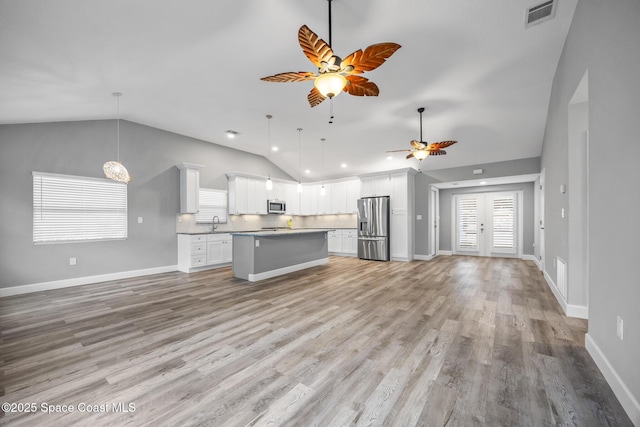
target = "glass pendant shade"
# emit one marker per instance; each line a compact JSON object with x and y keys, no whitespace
{"x":116,"y":171}
{"x":323,"y":192}
{"x":299,"y":188}
{"x":269,"y":184}
{"x":420,"y":154}
{"x":330,"y":84}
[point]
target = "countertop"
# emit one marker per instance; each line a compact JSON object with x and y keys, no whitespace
{"x":267,"y":231}
{"x":282,"y":232}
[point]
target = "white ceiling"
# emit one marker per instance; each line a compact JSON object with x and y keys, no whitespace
{"x":194,"y":66}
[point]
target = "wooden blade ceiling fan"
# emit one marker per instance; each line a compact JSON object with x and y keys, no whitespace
{"x":424,"y":149}
{"x":335,"y":74}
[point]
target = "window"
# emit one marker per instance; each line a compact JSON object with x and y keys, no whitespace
{"x":75,"y":209}
{"x":212,"y":203}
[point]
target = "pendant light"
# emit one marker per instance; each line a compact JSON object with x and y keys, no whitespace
{"x":299,"y":163}
{"x":114,"y":169}
{"x":323,"y":192}
{"x":269,"y":182}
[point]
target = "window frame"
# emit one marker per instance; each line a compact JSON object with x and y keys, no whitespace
{"x":205,"y":213}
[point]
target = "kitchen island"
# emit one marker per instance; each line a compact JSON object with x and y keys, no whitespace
{"x":259,"y":255}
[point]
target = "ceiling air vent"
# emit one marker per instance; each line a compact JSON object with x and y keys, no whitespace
{"x":540,"y":13}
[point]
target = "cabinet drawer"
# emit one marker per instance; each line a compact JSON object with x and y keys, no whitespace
{"x":198,"y":248}
{"x":218,"y":237}
{"x":198,"y":261}
{"x":199,"y":238}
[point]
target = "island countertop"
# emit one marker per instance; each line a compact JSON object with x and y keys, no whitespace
{"x":281,"y":232}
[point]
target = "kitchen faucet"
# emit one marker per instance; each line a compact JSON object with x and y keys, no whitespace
{"x":215,"y":221}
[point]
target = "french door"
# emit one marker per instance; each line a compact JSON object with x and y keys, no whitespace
{"x":487,"y":224}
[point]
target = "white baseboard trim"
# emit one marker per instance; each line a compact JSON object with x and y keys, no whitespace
{"x":345,"y":254}
{"x":447,"y":253}
{"x":284,"y":270}
{"x":78,"y":281}
{"x":423,"y":257}
{"x":534,"y":259}
{"x":620,"y":389}
{"x":570,"y":310}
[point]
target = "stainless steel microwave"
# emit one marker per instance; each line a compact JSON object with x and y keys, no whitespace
{"x":276,"y":207}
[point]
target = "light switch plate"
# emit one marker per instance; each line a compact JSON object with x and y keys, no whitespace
{"x":72,"y":261}
{"x":257,"y":243}
{"x":419,"y":217}
{"x":139,"y":220}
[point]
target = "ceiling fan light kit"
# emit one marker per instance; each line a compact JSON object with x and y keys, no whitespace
{"x":334,"y":74}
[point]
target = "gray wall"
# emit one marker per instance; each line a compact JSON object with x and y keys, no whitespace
{"x":603,"y":39}
{"x":421,"y":227}
{"x":490,"y":170}
{"x":527,"y":210}
{"x":81,"y":148}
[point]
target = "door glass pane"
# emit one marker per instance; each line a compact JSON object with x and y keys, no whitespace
{"x":504,"y":222}
{"x":467,"y":224}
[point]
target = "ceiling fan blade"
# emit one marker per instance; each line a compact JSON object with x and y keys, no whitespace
{"x":291,"y":76}
{"x":315,"y":97}
{"x":410,"y":155}
{"x":372,"y":57}
{"x":438,"y":145}
{"x":361,"y":86}
{"x":396,"y":151}
{"x":316,"y":49}
{"x":418,"y":145}
{"x":437,"y":153}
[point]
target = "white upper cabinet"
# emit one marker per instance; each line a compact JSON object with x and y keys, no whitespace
{"x":324,"y":202}
{"x":292,"y":198}
{"x":189,"y":187}
{"x":353,"y":194}
{"x":339,"y":198}
{"x":372,"y":186}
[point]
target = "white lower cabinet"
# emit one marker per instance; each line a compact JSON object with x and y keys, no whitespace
{"x":196,"y":252}
{"x":343,"y":242}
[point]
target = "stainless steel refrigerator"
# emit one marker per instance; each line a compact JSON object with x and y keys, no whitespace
{"x":373,"y":228}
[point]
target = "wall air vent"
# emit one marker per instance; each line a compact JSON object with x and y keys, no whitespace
{"x":540,"y":13}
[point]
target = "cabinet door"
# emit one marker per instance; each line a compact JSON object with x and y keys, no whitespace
{"x":227,"y":250}
{"x":382,"y":185}
{"x":293,"y":199}
{"x":324,"y":202}
{"x":278,"y":192}
{"x":313,"y":196}
{"x":256,"y":196}
{"x":367,"y":186}
{"x":214,"y":252}
{"x":339,"y":198}
{"x":349,"y":242}
{"x":353,"y":194}
{"x":238,"y":195}
{"x":305,"y":200}
{"x":399,"y":191}
{"x":189,"y":190}
{"x":335,"y":241}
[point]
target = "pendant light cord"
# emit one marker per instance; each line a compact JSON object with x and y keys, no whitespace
{"x":299,"y":156}
{"x":118,"y":128}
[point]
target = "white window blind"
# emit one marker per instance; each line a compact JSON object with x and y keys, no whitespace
{"x":467,"y":224}
{"x":75,"y":208}
{"x":504,"y":222}
{"x":212,"y":203}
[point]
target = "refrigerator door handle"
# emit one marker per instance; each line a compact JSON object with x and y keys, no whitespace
{"x":371,"y":238}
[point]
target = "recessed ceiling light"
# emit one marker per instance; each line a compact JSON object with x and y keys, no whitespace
{"x":389,"y":157}
{"x":307,"y":171}
{"x":483,"y":182}
{"x":274,"y":148}
{"x":344,"y":165}
{"x":231,"y":134}
{"x":455,"y":183}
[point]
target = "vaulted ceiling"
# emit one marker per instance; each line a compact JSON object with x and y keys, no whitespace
{"x":193,"y":67}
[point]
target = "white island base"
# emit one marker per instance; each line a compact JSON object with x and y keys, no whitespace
{"x":266,"y":254}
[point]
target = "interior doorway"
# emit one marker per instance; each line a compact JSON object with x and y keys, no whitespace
{"x":434,"y":221}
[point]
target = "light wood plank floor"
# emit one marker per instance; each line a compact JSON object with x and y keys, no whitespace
{"x":456,"y":341}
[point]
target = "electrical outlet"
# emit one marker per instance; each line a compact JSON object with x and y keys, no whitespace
{"x":257,"y":243}
{"x":419,"y":217}
{"x":72,"y":261}
{"x":562,"y":213}
{"x":139,"y":220}
{"x":620,"y":328}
